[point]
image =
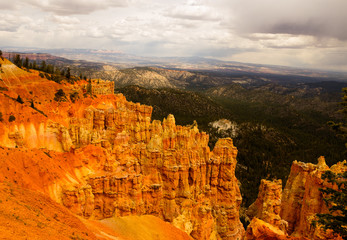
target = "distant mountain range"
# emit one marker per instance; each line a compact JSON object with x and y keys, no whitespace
{"x":123,"y":60}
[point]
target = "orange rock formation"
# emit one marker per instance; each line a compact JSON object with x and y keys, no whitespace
{"x":267,"y":207}
{"x":295,"y":210}
{"x":104,"y":157}
{"x":100,"y":87}
{"x":302,"y":199}
{"x":260,"y":230}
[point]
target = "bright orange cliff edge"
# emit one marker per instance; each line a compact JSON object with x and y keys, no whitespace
{"x":103,"y":157}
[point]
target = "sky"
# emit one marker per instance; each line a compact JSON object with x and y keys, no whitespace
{"x":298,"y":33}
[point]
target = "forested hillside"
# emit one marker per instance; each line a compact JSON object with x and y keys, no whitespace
{"x":268,"y":134}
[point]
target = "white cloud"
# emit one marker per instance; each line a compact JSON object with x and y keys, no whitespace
{"x":194,"y":11}
{"x":11,"y":23}
{"x":76,"y":7}
{"x":64,"y":19}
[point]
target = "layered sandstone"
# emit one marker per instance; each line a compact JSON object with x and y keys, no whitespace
{"x":164,"y":170}
{"x":261,"y":230}
{"x":267,"y":207}
{"x":29,"y":214}
{"x":302,"y":198}
{"x":110,"y":159}
{"x":290,"y":214}
{"x":99,"y":87}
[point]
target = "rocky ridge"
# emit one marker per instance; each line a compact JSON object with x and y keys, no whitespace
{"x":117,"y":162}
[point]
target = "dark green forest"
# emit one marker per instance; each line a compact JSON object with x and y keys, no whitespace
{"x":270,"y":135}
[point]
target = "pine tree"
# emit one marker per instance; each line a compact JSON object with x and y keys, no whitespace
{"x":336,"y":200}
{"x":89,"y":87}
{"x":68,"y":75}
{"x":26,"y":62}
{"x":341,"y":127}
{"x":43,"y":66}
{"x":50,"y":68}
{"x":35,"y":65}
{"x":17,"y":61}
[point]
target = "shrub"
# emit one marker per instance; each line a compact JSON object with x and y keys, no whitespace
{"x":336,"y":201}
{"x":74,"y":96}
{"x":19,"y":99}
{"x":48,"y":76}
{"x":60,"y":96}
{"x":11,"y":118}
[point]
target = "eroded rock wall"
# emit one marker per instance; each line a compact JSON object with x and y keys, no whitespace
{"x":289,"y":214}
{"x":302,"y":199}
{"x":267,"y":206}
{"x":99,"y":87}
{"x":138,"y":166}
{"x":161,"y":169}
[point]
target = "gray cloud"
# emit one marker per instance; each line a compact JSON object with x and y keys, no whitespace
{"x":8,"y":5}
{"x":320,"y":18}
{"x":306,"y":28}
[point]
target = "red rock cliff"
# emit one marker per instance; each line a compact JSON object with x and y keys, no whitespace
{"x":294,"y":211}
{"x":302,"y":199}
{"x":109,"y":159}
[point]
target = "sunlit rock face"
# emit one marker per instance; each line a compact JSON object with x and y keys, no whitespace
{"x":108,"y":158}
{"x":267,"y":207}
{"x":302,"y":198}
{"x":157,"y":168}
{"x":289,"y":214}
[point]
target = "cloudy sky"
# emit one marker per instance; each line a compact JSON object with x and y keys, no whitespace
{"x":303,"y":33}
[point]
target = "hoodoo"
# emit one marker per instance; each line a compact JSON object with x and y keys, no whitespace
{"x":103,"y":157}
{"x":289,"y":215}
